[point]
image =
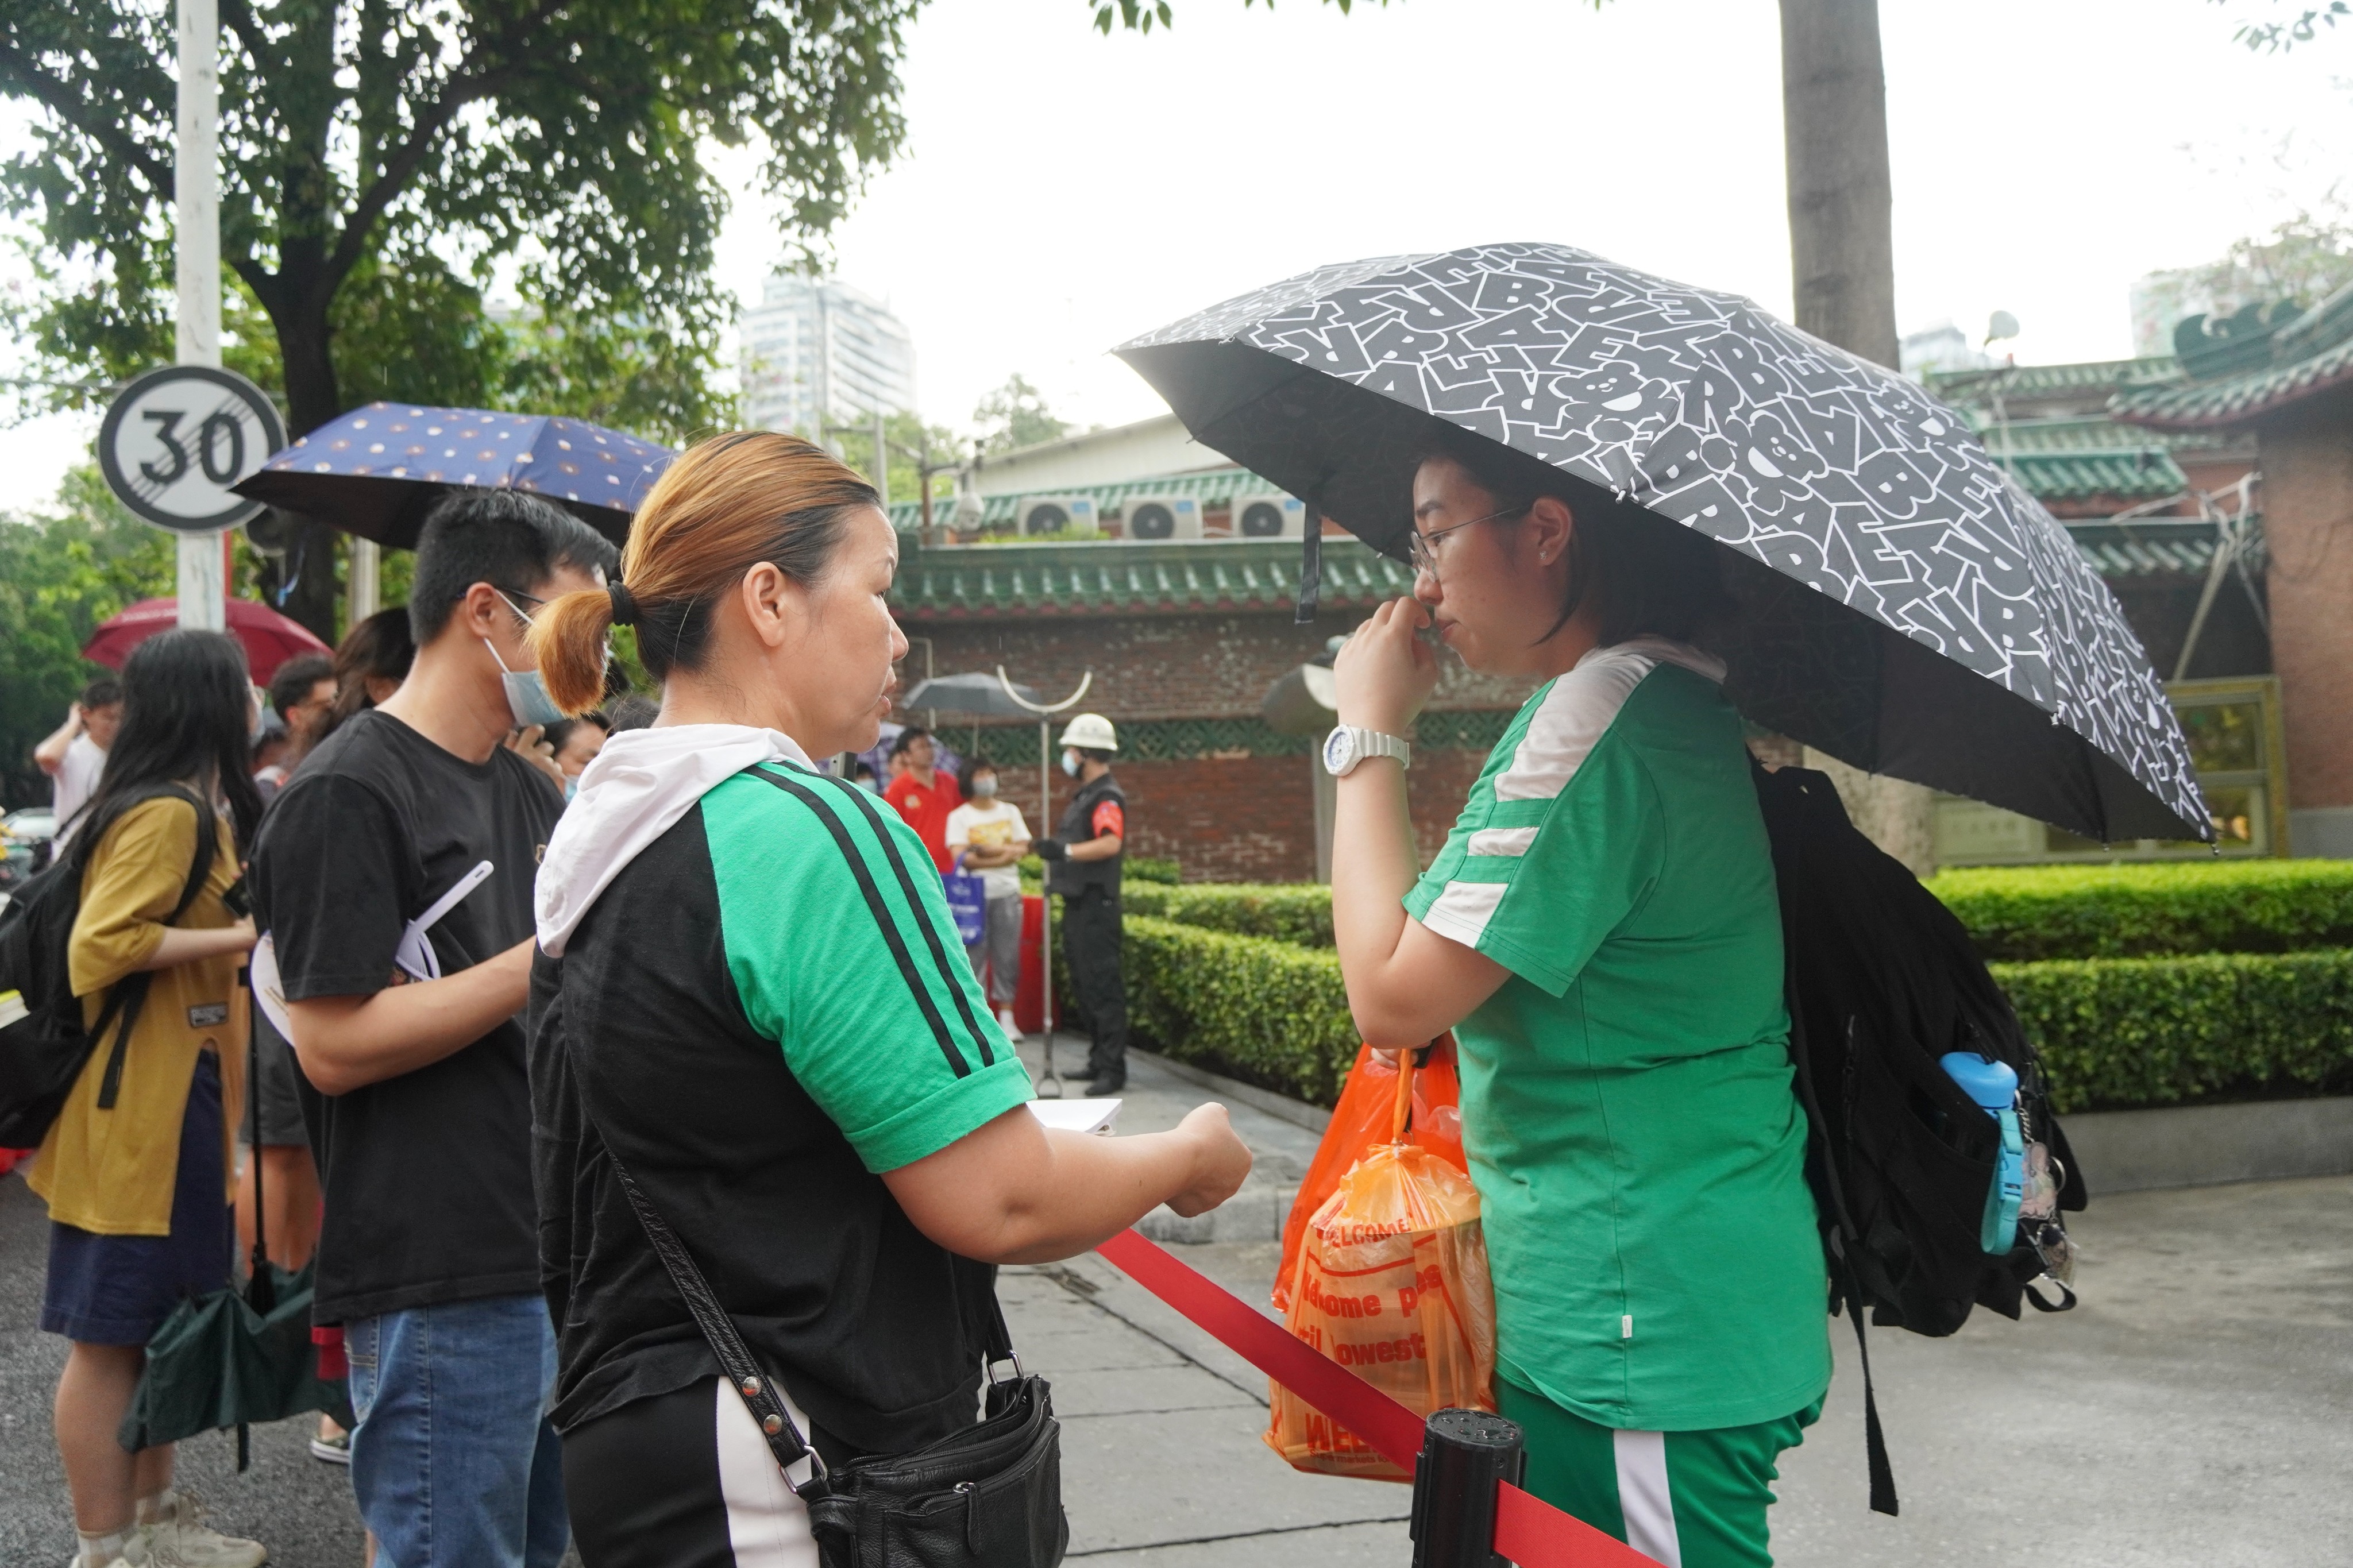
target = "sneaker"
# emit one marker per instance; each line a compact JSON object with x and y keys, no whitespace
{"x":334,"y":1450}
{"x":182,"y":1539}
{"x":1005,"y":1020}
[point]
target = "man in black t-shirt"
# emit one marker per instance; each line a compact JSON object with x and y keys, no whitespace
{"x":417,"y":1095}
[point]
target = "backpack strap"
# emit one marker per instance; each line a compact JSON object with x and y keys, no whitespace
{"x":129,"y":994}
{"x":1788,"y":849}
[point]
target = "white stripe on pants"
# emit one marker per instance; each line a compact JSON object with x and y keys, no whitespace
{"x":1643,"y":1496}
{"x":767,"y":1523}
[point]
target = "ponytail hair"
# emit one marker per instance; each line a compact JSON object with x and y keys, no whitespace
{"x":725,"y":505}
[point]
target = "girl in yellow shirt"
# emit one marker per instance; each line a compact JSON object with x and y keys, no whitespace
{"x":138,"y":1191}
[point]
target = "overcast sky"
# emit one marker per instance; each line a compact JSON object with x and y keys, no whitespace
{"x":1063,"y":191}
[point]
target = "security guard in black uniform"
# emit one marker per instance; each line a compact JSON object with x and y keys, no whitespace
{"x":1084,"y":858}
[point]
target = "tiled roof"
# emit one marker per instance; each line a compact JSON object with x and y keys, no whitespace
{"x":2029,"y":380}
{"x":1104,"y":578}
{"x":1207,"y":485}
{"x":2145,"y":547}
{"x":2240,"y":398}
{"x":2312,"y":354}
{"x":2141,"y":473}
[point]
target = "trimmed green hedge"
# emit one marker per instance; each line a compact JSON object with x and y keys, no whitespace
{"x":2121,"y":1032}
{"x":2015,"y":914}
{"x":1287,"y":912}
{"x":2113,"y":1033}
{"x":2030,"y":913}
{"x":1269,"y":1013}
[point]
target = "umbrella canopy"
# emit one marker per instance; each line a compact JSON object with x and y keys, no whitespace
{"x":377,"y":470}
{"x":1905,"y":605}
{"x":974,"y":696}
{"x":219,"y":1360}
{"x":269,"y":639}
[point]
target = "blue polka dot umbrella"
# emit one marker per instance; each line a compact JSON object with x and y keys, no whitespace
{"x":377,"y":470}
{"x":1905,"y":605}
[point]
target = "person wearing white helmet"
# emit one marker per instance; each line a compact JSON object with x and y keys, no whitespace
{"x":1082,"y":865}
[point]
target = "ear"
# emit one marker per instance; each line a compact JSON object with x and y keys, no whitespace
{"x":480,"y":611}
{"x":771,"y":602}
{"x":1550,"y":527}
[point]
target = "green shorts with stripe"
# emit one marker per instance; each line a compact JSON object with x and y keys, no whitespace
{"x":1690,"y":1499}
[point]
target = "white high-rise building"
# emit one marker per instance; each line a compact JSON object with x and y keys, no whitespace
{"x":818,"y":351}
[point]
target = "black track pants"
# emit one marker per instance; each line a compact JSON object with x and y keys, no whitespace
{"x":1091,"y":947}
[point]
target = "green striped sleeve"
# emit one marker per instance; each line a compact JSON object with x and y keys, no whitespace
{"x":838,"y":939}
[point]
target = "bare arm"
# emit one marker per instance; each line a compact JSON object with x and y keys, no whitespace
{"x":50,"y":754}
{"x":1406,"y":983}
{"x":349,"y":1042}
{"x":181,"y":945}
{"x":1013,"y":1192}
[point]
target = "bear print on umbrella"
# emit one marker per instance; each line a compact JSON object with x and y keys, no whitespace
{"x":1704,"y":409}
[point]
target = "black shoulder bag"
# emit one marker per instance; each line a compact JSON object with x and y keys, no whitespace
{"x":987,"y":1497}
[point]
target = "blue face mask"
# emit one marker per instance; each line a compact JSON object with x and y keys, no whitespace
{"x":527,"y":697}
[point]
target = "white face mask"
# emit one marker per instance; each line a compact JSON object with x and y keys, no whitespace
{"x":984,"y":786}
{"x":1070,"y":763}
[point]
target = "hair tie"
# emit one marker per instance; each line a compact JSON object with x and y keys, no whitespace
{"x":625,"y":608}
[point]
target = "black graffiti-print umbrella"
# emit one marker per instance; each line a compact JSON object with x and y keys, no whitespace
{"x":1905,"y":606}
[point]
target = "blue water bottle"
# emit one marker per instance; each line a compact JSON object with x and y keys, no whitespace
{"x":1994,"y":1086}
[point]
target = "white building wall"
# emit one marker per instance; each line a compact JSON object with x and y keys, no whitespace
{"x":1145,"y":450}
{"x":818,"y":351}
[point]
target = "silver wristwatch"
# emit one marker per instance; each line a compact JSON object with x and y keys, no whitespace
{"x":1348,"y":744}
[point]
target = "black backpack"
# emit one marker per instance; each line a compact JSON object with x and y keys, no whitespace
{"x":42,"y":1054}
{"x":1882,"y":983}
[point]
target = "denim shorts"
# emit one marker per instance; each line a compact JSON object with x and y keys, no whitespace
{"x":454,"y":1461}
{"x":118,"y":1289}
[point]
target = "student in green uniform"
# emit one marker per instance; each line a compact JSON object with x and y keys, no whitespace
{"x":1601,"y":931}
{"x":751,"y":995}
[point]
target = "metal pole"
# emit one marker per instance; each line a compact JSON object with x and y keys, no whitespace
{"x":1465,"y":1457}
{"x":199,"y":585}
{"x":366,"y":586}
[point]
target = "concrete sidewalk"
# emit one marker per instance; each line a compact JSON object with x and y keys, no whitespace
{"x":2194,"y":1409}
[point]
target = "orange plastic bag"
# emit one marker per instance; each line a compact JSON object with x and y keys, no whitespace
{"x":1391,"y":1282}
{"x":1363,"y":1122}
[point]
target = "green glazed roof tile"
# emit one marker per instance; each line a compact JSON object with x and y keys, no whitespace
{"x":1109,"y":577}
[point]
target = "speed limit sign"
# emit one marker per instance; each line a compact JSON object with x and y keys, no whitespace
{"x":176,"y":439}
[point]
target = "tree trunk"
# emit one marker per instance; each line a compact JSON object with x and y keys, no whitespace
{"x":1842,"y":268}
{"x":311,"y":399}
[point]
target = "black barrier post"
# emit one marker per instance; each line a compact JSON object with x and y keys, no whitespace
{"x":1465,"y":1455}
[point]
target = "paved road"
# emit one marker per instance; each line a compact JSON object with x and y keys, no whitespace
{"x":2195,"y":1409}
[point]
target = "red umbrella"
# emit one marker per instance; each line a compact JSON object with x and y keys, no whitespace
{"x":269,"y":639}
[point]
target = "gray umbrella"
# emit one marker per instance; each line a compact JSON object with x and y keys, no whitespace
{"x":1905,"y":606}
{"x":975,"y":696}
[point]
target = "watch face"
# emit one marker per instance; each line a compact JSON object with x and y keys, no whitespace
{"x":1339,"y":748}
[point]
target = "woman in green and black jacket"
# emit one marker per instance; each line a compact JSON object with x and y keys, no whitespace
{"x":753,"y":994}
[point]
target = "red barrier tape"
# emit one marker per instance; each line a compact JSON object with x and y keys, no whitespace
{"x":1528,"y":1529}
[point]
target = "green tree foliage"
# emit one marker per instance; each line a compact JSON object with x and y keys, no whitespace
{"x":2303,"y":28}
{"x":403,"y":152}
{"x":2305,"y":258}
{"x":1016,"y":416}
{"x":61,"y":574}
{"x":909,"y":440}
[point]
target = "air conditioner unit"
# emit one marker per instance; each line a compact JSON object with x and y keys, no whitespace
{"x":1163,"y":516}
{"x":1053,"y":514}
{"x":1269,"y":516}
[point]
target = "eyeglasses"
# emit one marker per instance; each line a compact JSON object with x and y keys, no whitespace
{"x":1422,"y":549}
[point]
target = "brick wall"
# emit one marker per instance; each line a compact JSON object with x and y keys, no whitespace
{"x":2308,"y":532}
{"x":1162,"y":667}
{"x":1249,"y":819}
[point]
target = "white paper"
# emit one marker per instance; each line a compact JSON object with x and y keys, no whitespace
{"x":1077,"y":1115}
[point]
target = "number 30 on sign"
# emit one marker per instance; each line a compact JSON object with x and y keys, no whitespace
{"x":175,"y":440}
